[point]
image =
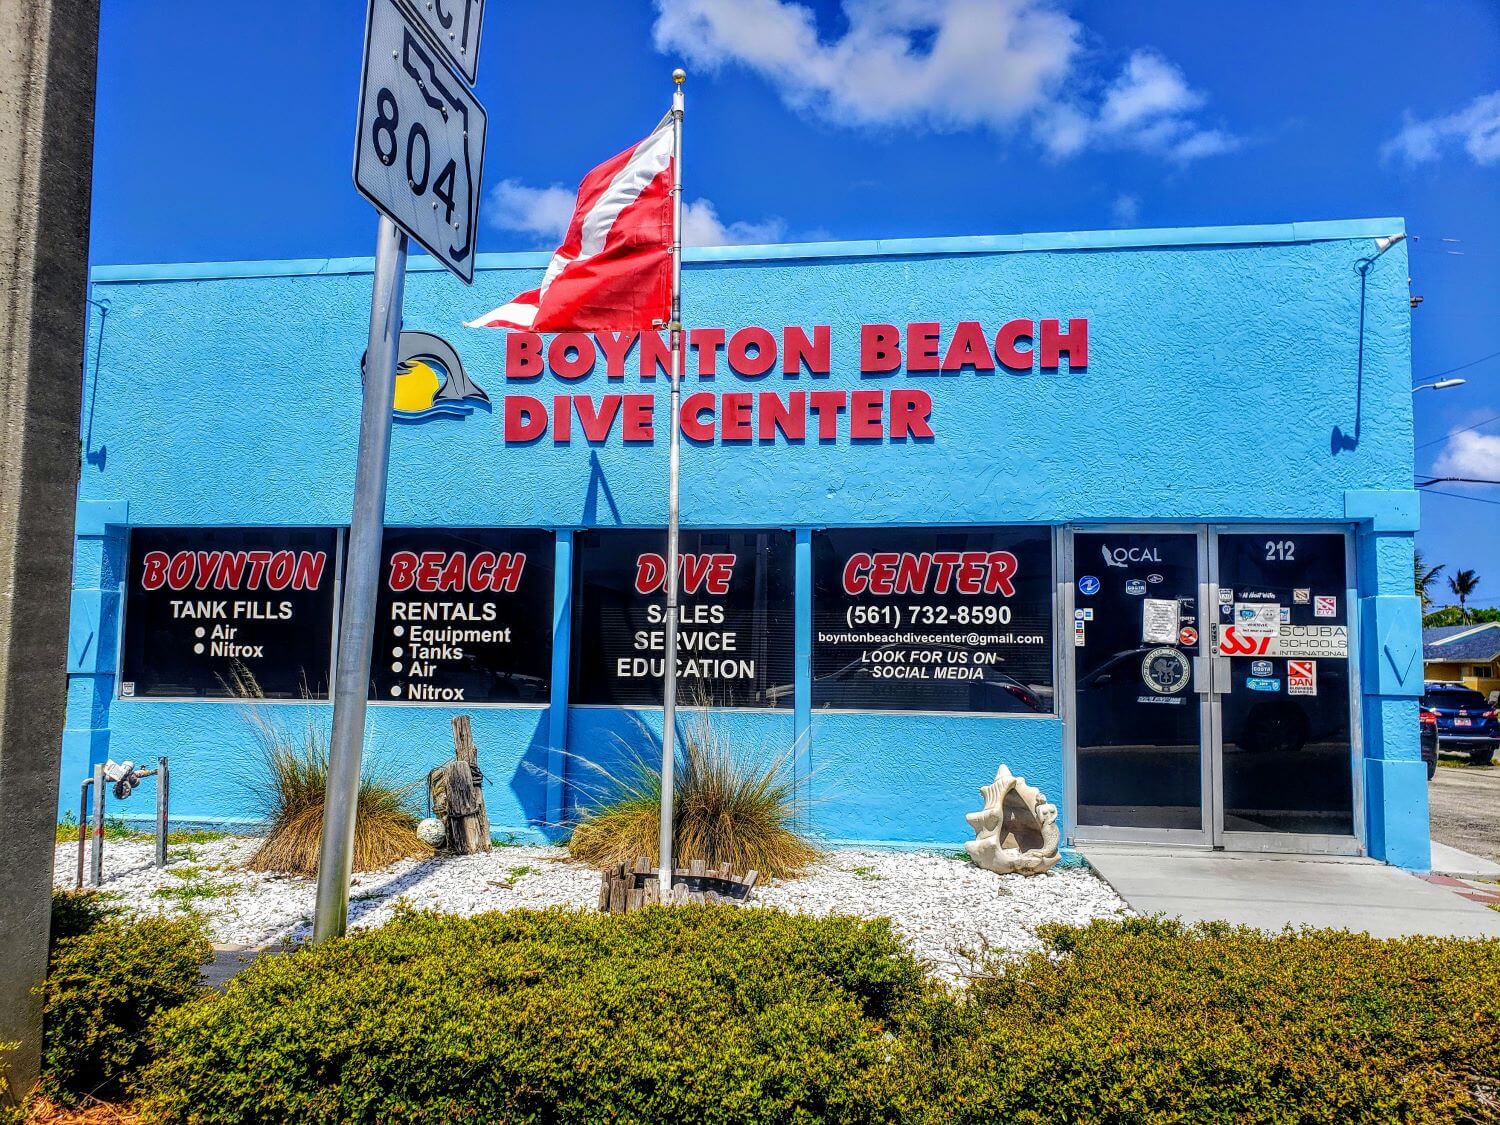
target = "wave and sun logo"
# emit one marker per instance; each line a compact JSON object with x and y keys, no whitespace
{"x":430,"y":380}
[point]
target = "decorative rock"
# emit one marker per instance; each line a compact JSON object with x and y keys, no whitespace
{"x":1016,"y":831}
{"x":431,"y":832}
{"x":951,"y":913}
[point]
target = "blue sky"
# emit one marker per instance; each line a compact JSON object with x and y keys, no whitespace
{"x":224,"y":132}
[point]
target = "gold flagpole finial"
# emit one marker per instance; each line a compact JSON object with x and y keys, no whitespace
{"x":679,"y":76}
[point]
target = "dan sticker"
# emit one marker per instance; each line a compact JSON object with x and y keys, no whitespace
{"x":1302,"y":677}
{"x":1165,"y":670}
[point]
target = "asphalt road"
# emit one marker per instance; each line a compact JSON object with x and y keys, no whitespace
{"x":1465,"y":804}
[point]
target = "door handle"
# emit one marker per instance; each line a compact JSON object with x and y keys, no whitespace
{"x":1223,"y":678}
{"x":1201,"y":673}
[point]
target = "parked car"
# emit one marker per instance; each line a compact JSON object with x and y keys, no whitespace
{"x":1465,"y":721}
{"x":1429,"y":741}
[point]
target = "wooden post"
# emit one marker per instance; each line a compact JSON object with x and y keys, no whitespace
{"x":625,"y":887}
{"x":466,"y":820}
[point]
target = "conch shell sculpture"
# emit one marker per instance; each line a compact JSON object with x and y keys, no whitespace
{"x":1016,"y":831}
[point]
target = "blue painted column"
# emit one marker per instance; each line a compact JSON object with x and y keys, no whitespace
{"x":1397,"y":828}
{"x":557,"y":713}
{"x":802,"y":660}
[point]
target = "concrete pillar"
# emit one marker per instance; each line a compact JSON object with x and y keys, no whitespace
{"x":47,"y":52}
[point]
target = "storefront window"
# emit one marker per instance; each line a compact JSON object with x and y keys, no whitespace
{"x":736,"y":636}
{"x":213,"y":612}
{"x":464,"y":616}
{"x":920,"y":619}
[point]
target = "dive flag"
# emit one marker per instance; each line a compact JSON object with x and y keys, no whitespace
{"x":613,"y":271}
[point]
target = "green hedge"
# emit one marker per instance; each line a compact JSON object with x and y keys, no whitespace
{"x":703,"y":1015}
{"x":1149,"y":1021}
{"x":726,"y":1015}
{"x":75,"y":913}
{"x":109,"y":977}
{"x":662,"y":1016}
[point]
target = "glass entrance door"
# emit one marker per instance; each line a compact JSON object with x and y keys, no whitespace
{"x":1139,"y":712}
{"x":1213,"y":690}
{"x":1283,"y":691}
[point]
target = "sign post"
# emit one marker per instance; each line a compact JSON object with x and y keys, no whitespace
{"x":418,"y":157}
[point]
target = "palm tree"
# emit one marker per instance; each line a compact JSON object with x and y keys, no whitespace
{"x":1425,"y":576}
{"x":1462,"y":584}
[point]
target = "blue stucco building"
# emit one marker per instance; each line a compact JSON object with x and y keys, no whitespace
{"x":1179,"y":462}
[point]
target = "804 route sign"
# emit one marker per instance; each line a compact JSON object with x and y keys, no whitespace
{"x":420,"y":148}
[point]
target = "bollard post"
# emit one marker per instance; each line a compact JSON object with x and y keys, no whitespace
{"x":163,"y":795}
{"x":83,"y":825}
{"x":96,"y":858}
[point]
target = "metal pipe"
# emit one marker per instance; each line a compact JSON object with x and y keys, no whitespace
{"x":83,"y":825}
{"x":674,"y":343}
{"x":96,"y":857}
{"x":361,"y":580}
{"x":162,"y":798}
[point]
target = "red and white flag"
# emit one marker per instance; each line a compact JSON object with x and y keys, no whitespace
{"x":613,"y":271}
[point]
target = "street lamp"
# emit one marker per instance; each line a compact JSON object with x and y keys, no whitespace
{"x":1440,"y":385}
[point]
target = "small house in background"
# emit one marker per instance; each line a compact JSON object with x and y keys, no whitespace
{"x":1466,"y":654}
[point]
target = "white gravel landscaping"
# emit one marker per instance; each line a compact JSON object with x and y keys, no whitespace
{"x":949,"y":912}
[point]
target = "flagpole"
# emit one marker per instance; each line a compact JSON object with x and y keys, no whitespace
{"x":674,"y":344}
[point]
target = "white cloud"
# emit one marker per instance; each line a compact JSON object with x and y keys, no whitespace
{"x":545,"y":212}
{"x":1125,"y":210}
{"x":948,"y":65}
{"x":701,"y":226}
{"x":1149,"y":108}
{"x":1476,"y":127}
{"x":1470,"y":454}
{"x":1147,"y":90}
{"x":951,"y":63}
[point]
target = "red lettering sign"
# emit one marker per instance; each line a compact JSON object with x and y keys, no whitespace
{"x":968,"y":572}
{"x":710,"y":573}
{"x":233,"y":570}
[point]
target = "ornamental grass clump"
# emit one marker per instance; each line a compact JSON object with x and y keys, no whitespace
{"x":289,"y":781}
{"x":725,"y":809}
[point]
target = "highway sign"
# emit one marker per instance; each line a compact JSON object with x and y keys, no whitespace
{"x":454,"y":26}
{"x":419,"y":152}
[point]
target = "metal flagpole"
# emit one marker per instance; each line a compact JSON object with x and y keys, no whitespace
{"x":674,"y":343}
{"x":351,"y":682}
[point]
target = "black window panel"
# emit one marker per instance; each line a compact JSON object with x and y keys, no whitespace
{"x":460,"y":644}
{"x":243,"y":622}
{"x":934,"y":651}
{"x":734,"y":648}
{"x":1286,"y":754}
{"x":1137,"y":719}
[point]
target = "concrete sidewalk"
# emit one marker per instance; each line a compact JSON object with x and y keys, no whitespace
{"x":1448,"y":860}
{"x":1271,"y":891}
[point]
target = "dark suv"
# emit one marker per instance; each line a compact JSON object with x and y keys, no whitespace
{"x":1465,"y":721}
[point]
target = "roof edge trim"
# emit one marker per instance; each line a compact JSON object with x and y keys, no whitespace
{"x":1165,"y":237}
